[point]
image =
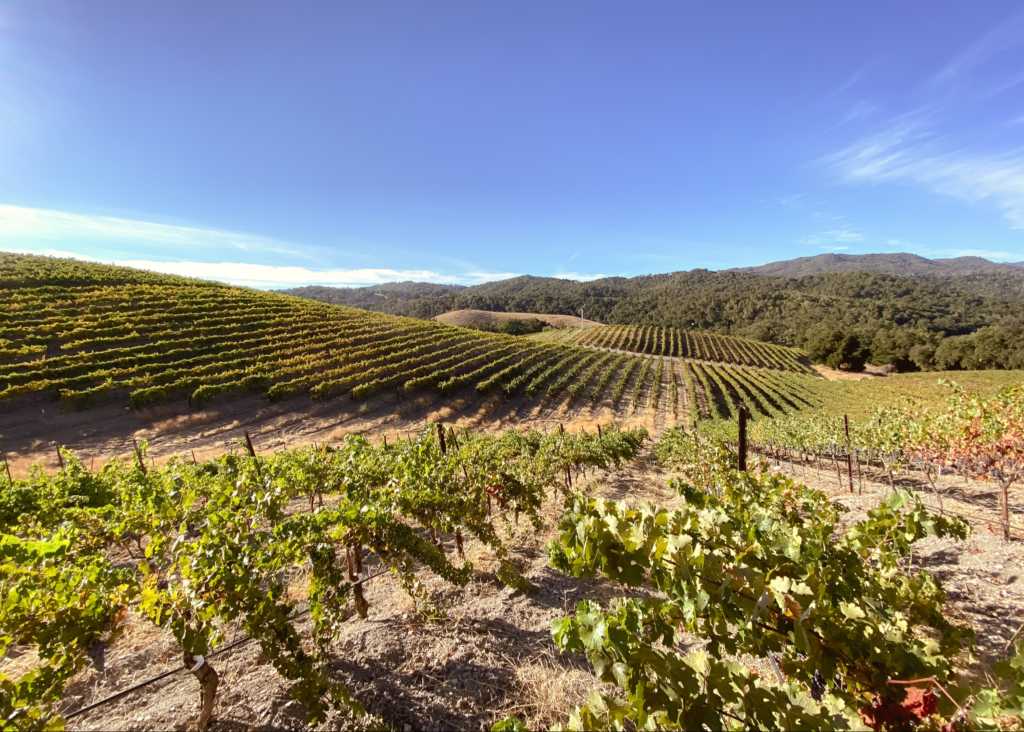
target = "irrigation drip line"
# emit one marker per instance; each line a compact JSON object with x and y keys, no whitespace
{"x":220,"y":651}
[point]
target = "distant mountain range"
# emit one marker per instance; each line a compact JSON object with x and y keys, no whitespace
{"x":527,"y":292}
{"x":900,"y":264}
{"x":908,"y":310}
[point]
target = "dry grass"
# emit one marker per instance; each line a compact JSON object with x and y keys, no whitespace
{"x":480,"y":318}
{"x":548,"y":690}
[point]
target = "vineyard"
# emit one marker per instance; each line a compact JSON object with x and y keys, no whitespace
{"x":368,"y":582}
{"x":702,"y":346}
{"x":200,"y":549}
{"x":752,"y":564}
{"x":968,"y":435}
{"x":88,"y":334}
{"x":752,"y":603}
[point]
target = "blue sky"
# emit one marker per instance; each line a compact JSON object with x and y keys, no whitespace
{"x":351,"y":143}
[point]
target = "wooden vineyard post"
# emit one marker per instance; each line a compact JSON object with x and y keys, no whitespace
{"x":138,"y":456}
{"x":355,"y":567}
{"x":60,"y":458}
{"x":849,"y":450}
{"x":441,"y":438}
{"x":252,"y":453}
{"x":444,"y":451}
{"x":7,"y":467}
{"x":742,"y":446}
{"x":248,"y":444}
{"x":208,"y":681}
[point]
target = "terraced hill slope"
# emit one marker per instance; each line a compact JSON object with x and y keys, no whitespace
{"x":87,"y":334}
{"x":660,"y":341}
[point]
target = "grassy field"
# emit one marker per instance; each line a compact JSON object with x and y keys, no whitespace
{"x":859,"y":399}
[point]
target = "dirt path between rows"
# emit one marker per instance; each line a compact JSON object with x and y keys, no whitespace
{"x":30,"y":430}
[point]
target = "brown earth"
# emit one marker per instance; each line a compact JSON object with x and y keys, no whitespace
{"x":484,"y":651}
{"x":31,"y":429}
{"x":484,"y":318}
{"x":870,"y":372}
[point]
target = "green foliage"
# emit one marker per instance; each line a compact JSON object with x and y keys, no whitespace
{"x":217,"y":545}
{"x":755,"y":565}
{"x":111,"y":334}
{"x":971,"y":321}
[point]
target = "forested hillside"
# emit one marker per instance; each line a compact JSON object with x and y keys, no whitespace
{"x":942,"y":321}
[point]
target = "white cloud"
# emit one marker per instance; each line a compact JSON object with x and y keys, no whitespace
{"x":832,"y":237}
{"x":907,"y":152}
{"x":24,"y":224}
{"x":999,"y":39}
{"x":578,"y":276}
{"x":852,"y":80}
{"x":54,"y":233}
{"x":269,"y":275}
{"x":860,"y":110}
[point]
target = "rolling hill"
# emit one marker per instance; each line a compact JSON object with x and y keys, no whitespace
{"x":84,"y":335}
{"x":905,"y":310}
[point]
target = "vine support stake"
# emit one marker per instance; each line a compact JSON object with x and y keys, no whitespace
{"x":248,"y":444}
{"x":355,"y":567}
{"x":60,"y":458}
{"x":742,"y":456}
{"x":849,"y":450}
{"x":7,"y":467}
{"x":138,"y":456}
{"x":441,"y":438}
{"x":208,"y":681}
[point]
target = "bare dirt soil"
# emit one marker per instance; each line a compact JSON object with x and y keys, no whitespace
{"x":484,"y":651}
{"x":870,"y":372}
{"x":483,"y":318}
{"x":30,"y":430}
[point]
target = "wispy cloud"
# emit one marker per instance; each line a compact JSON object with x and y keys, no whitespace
{"x":910,"y":153}
{"x":275,"y":276}
{"x":266,"y":276}
{"x":833,"y":237}
{"x":579,"y":276}
{"x":1002,"y":37}
{"x":852,"y":80}
{"x":21,"y":225}
{"x":860,"y":110}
